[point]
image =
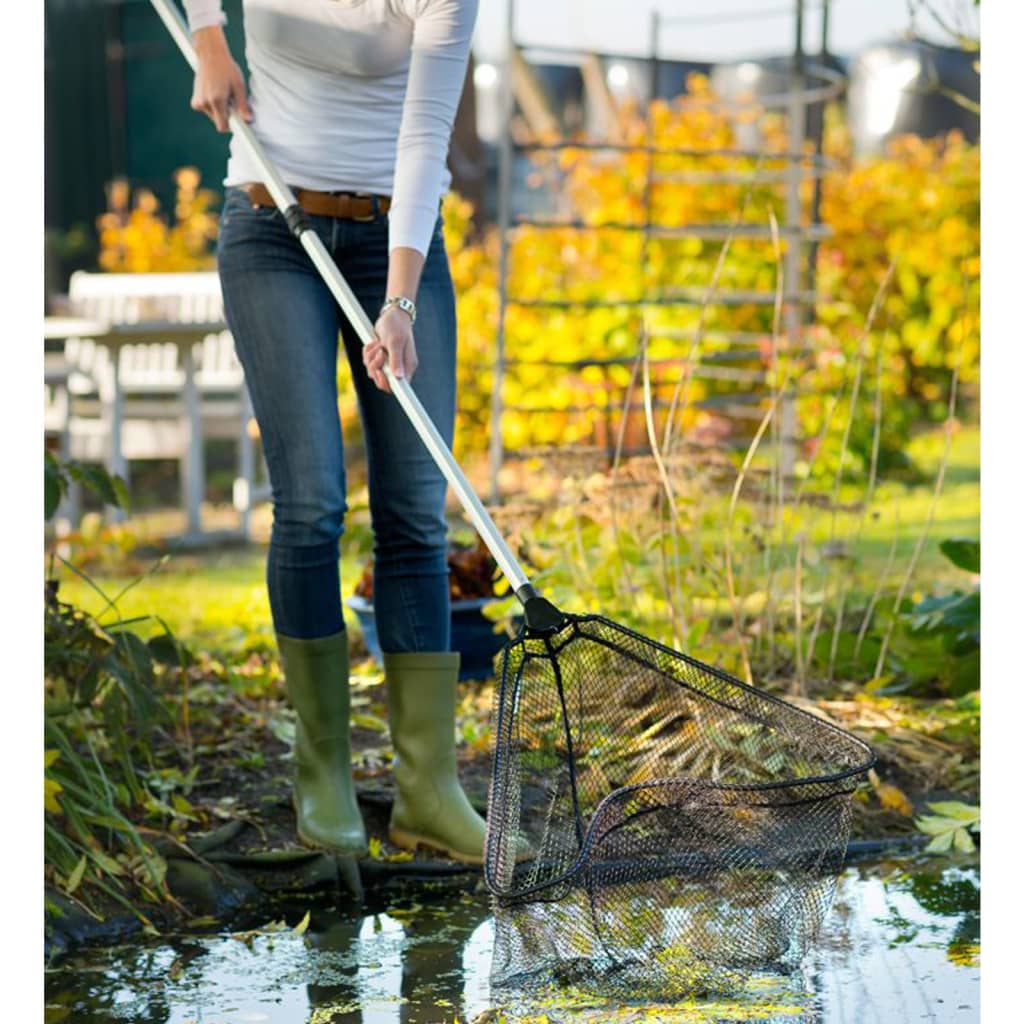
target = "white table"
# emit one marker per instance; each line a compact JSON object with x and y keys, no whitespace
{"x":184,"y":335}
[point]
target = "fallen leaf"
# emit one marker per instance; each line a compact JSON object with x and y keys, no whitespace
{"x":891,"y":797}
{"x":75,"y":878}
{"x":367,"y":721}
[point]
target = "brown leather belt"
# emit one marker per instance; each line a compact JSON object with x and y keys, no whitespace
{"x":349,"y":205}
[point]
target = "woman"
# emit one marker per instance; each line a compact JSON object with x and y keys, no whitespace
{"x":353,"y":101}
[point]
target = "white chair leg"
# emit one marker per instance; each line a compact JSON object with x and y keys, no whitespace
{"x":246,"y":469}
{"x":117,"y":464}
{"x":194,"y":476}
{"x":65,"y":519}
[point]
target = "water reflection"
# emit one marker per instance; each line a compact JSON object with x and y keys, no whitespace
{"x":897,"y":946}
{"x":414,"y":957}
{"x":380,"y":972}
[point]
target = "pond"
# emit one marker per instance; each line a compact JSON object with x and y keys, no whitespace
{"x":900,"y":944}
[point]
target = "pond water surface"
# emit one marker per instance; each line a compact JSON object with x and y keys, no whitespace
{"x":900,"y":944}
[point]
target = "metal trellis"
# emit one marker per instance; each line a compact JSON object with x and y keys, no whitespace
{"x":810,"y":86}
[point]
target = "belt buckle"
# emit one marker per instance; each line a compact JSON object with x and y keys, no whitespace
{"x":376,"y":206}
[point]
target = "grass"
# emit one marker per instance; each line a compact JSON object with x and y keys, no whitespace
{"x":958,"y":513}
{"x":218,"y":599}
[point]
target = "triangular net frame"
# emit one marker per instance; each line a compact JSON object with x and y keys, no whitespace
{"x":684,"y":829}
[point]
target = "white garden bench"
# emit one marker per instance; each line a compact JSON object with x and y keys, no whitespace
{"x":155,"y":377}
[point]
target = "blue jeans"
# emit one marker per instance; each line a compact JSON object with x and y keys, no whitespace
{"x":285,"y":325}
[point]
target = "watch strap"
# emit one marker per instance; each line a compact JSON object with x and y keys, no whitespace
{"x":402,"y":303}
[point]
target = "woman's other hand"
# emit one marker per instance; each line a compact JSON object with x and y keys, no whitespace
{"x":394,"y":345}
{"x":219,"y":85}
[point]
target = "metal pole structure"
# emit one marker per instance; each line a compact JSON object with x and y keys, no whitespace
{"x":496,"y":448}
{"x":818,"y":131}
{"x":793,"y":311}
{"x":539,"y":613}
{"x":652,"y":95}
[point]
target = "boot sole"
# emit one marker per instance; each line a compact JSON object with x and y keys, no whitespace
{"x":312,"y":844}
{"x":412,"y":842}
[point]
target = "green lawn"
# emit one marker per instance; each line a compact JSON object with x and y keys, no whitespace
{"x":218,"y":599}
{"x":957,"y":512}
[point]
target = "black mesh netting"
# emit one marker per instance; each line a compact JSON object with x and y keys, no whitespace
{"x":656,"y":825}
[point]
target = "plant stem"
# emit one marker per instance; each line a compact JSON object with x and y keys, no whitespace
{"x":923,"y":536}
{"x":865,"y":509}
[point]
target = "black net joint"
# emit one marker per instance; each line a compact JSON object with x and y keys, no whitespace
{"x":540,"y":615}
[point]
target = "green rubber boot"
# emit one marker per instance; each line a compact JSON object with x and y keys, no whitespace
{"x":316,"y":676}
{"x":431,"y":808}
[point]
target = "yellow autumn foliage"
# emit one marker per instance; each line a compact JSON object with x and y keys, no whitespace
{"x":576,"y":320}
{"x":917,"y":204}
{"x":136,"y":238}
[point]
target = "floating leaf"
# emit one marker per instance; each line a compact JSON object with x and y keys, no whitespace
{"x":300,"y":928}
{"x":402,"y":912}
{"x":966,"y":954}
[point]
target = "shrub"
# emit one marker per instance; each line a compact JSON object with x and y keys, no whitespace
{"x":916,"y":206}
{"x":938,"y":647}
{"x":136,"y":238}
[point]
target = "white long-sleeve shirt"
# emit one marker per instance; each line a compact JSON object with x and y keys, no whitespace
{"x":355,"y":95}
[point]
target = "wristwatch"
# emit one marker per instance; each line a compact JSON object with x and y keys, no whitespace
{"x":402,"y":303}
